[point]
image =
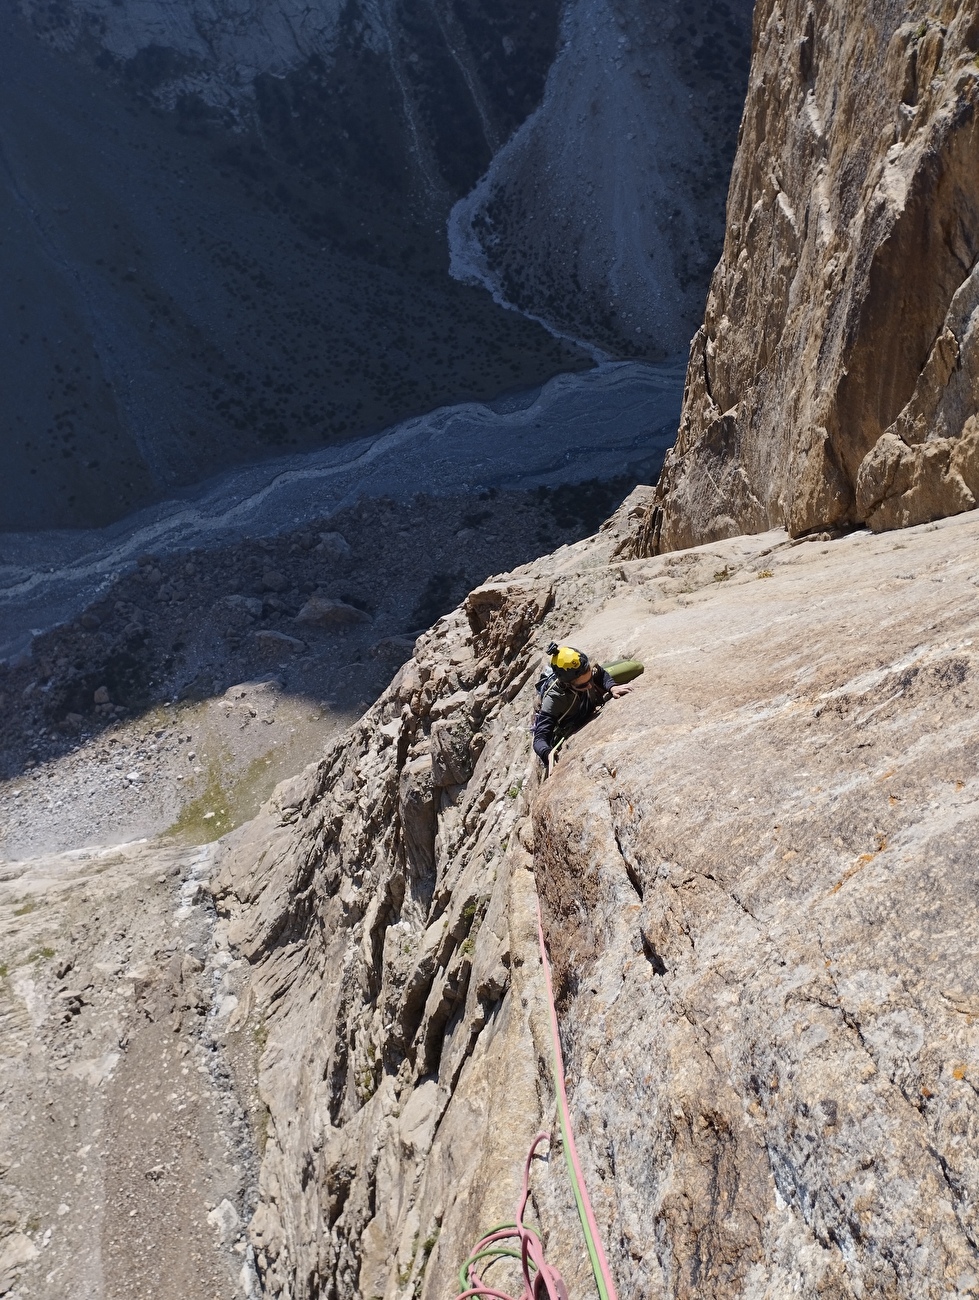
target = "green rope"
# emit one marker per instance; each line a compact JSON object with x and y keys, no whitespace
{"x":463,"y":1272}
{"x":486,"y":1254}
{"x":596,"y":1267}
{"x":603,"y":1277}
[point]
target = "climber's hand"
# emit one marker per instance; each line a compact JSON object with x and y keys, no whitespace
{"x":620,"y":690}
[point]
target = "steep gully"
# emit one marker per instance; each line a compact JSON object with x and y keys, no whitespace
{"x":190,"y":293}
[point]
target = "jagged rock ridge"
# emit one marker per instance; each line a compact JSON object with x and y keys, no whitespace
{"x":835,"y":379}
{"x":757,"y":874}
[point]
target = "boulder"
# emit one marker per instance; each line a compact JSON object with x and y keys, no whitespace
{"x":250,"y":605}
{"x":273,"y":580}
{"x":452,"y":759}
{"x":397,"y":648}
{"x":333,"y":546}
{"x":274,"y":644}
{"x":319,"y":611}
{"x":416,"y":804}
{"x":17,"y":1250}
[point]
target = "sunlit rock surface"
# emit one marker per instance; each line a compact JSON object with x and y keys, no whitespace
{"x":835,"y":378}
{"x":758,"y":883}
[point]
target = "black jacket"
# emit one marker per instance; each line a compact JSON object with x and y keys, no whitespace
{"x":563,"y":709}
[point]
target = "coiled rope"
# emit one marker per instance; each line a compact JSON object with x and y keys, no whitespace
{"x":540,"y":1280}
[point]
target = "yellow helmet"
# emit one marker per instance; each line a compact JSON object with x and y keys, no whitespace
{"x":566,"y":661}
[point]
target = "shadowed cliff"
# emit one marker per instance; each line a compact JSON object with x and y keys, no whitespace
{"x":226,"y":230}
{"x":191,"y":288}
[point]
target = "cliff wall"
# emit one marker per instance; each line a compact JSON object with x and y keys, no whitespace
{"x":758,"y":882}
{"x":835,"y":379}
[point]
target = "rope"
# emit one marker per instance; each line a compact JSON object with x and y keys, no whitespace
{"x":540,"y":1280}
{"x":593,"y":1240}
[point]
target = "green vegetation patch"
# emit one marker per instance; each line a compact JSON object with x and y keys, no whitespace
{"x":226,"y":801}
{"x":206,"y":817}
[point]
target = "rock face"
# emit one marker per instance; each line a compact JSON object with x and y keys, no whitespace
{"x":758,"y":884}
{"x":835,"y":379}
{"x":129,"y":1108}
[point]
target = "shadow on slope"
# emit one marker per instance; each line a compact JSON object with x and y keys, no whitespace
{"x":180,"y":298}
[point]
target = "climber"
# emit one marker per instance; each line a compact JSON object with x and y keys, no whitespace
{"x":572,"y":691}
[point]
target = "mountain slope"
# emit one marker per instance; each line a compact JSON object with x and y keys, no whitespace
{"x":226,"y":225}
{"x":604,"y":214}
{"x":192,"y":287}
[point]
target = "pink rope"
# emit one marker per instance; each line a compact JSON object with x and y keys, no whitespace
{"x":540,"y":1280}
{"x":603,"y":1274}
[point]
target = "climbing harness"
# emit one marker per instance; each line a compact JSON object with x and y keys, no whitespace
{"x":541,"y":1281}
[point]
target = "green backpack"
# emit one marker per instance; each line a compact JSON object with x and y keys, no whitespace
{"x":624,"y":670}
